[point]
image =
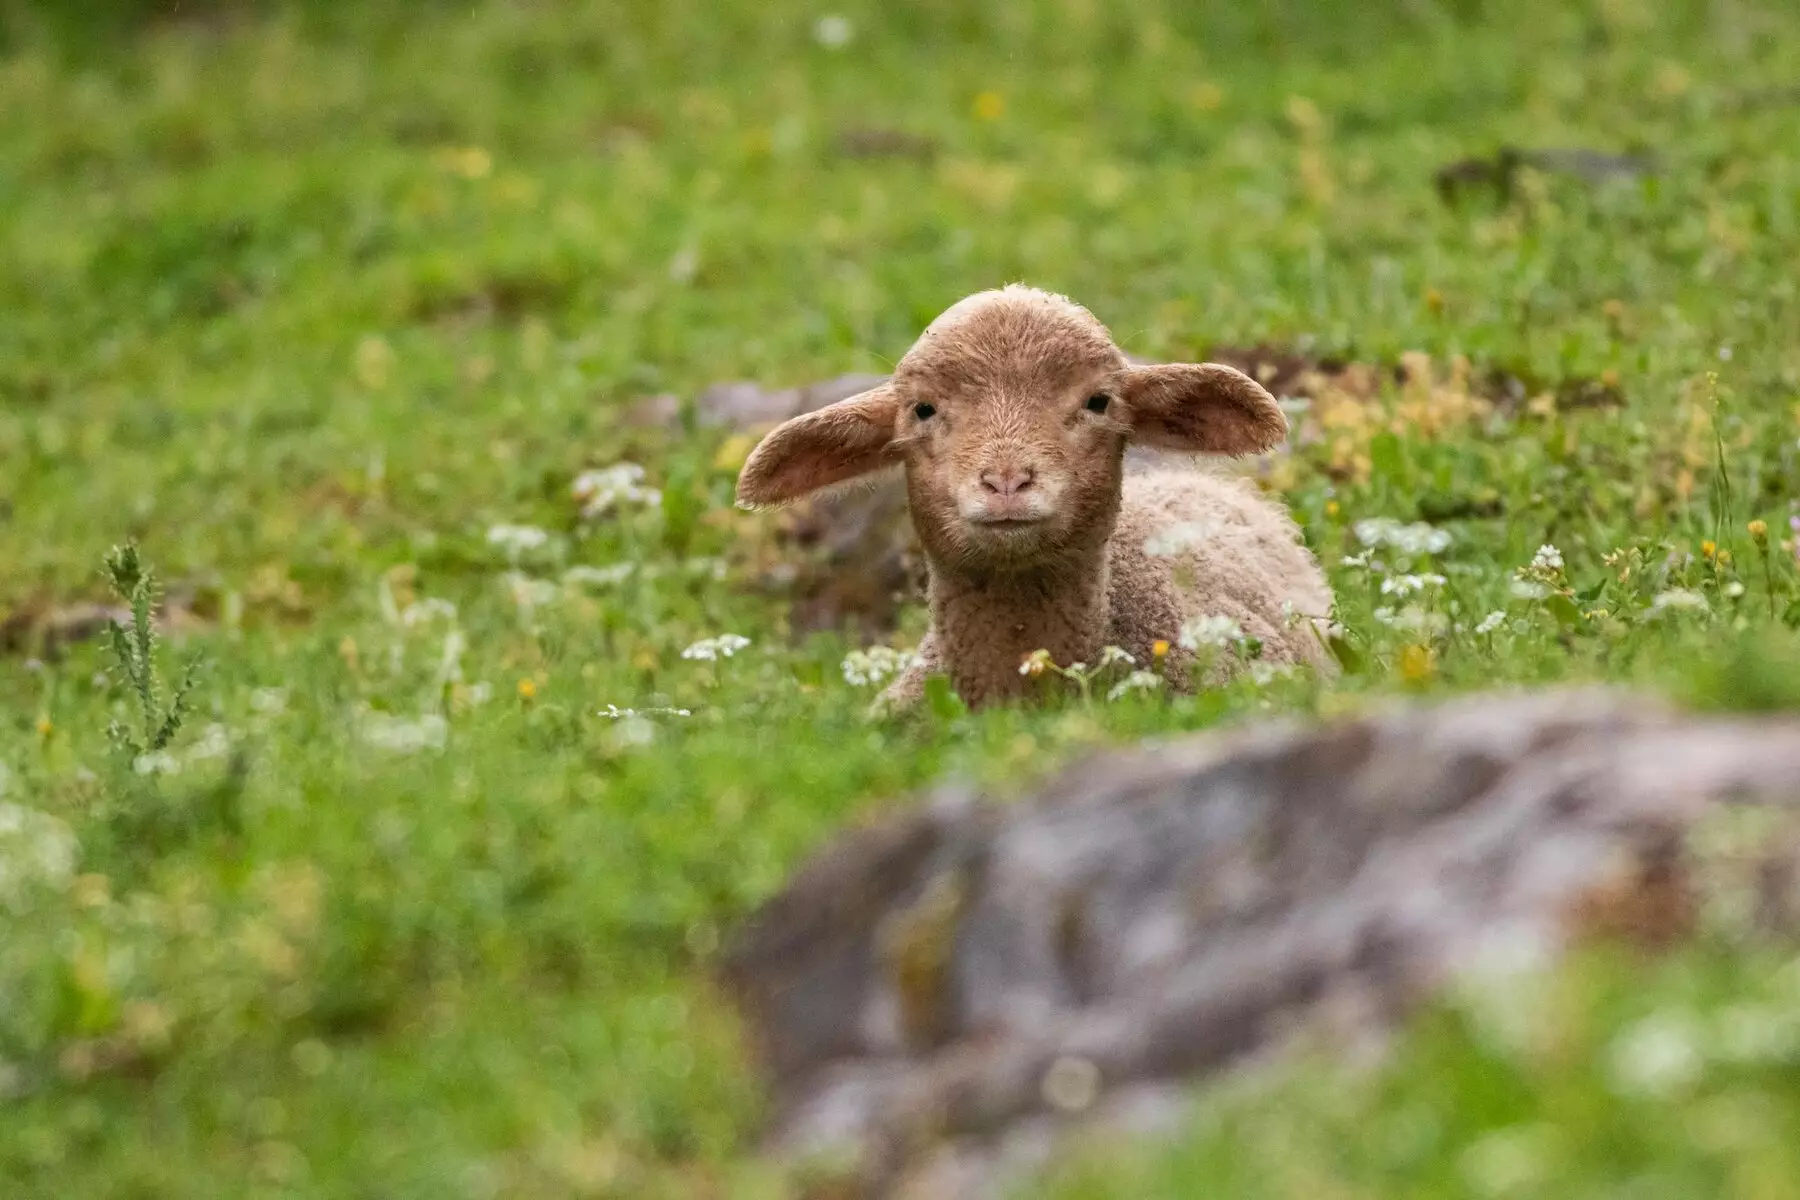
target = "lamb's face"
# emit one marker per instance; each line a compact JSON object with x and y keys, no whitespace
{"x":1005,"y":423}
{"x":1010,"y":415}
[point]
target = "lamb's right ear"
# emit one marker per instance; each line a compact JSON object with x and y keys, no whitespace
{"x":836,"y":443}
{"x":1199,"y":408}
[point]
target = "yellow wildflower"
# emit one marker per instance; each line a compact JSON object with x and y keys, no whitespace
{"x":527,"y":689}
{"x":1417,"y":664}
{"x":1759,"y":529}
{"x":1159,"y":648}
{"x":989,"y":106}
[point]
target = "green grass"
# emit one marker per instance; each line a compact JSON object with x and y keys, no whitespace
{"x":308,"y":304}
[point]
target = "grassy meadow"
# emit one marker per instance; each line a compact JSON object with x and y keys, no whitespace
{"x":339,"y":312}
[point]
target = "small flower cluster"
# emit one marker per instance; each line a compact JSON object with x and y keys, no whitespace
{"x":877,"y":664}
{"x":1038,"y":662}
{"x":1542,"y":577}
{"x":1406,"y":585}
{"x":36,"y":849}
{"x":399,"y":735}
{"x":614,"y":712}
{"x":215,"y":743}
{"x":1211,"y":632}
{"x":529,"y":593}
{"x":517,"y":540}
{"x":714,"y":648}
{"x":1412,"y":619}
{"x":1679,"y":599}
{"x":1414,"y":539}
{"x":426,"y":611}
{"x":603,"y":489}
{"x":1667,"y":1052}
{"x":610,"y":575}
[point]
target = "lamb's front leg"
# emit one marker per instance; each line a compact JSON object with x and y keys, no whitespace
{"x":909,"y":687}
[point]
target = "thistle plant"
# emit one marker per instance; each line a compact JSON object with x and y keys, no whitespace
{"x":134,"y":648}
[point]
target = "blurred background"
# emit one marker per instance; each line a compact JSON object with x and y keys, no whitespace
{"x":393,"y":332}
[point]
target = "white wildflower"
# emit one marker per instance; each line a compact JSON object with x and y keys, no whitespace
{"x":36,"y":849}
{"x":706,"y":567}
{"x":1491,"y":622}
{"x":833,"y":31}
{"x":529,"y":593}
{"x":1417,"y":538}
{"x":1506,"y":1161}
{"x":480,"y":693}
{"x":156,"y":762}
{"x":1758,"y":1034}
{"x":603,"y":489}
{"x":1365,"y":561}
{"x":1412,"y":619}
{"x":1217,"y":632}
{"x":1265,"y":673}
{"x":616,"y":713}
{"x":426,"y":610}
{"x":517,"y":539}
{"x":610,"y":575}
{"x":215,"y":742}
{"x":635,"y":730}
{"x":399,"y":735}
{"x":1679,"y":598}
{"x":714,"y":648}
{"x":269,"y":701}
{"x":1115,"y":654}
{"x":1734,"y":589}
{"x":450,"y":660}
{"x":1548,"y":559}
{"x":1657,"y":1056}
{"x":1528,"y":589}
{"x":1185,"y":535}
{"x":1406,"y":585}
{"x":1137,"y":681}
{"x":875,"y":665}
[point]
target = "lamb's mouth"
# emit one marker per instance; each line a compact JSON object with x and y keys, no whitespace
{"x":1021,"y":521}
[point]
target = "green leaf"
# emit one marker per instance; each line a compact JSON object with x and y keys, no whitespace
{"x":1387,"y":457}
{"x":1348,"y":656}
{"x":1564,"y":610}
{"x":942,"y":699}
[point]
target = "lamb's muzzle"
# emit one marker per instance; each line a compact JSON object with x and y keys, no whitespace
{"x":1010,"y":417}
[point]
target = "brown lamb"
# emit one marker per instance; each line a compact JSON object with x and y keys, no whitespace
{"x":1011,"y":416}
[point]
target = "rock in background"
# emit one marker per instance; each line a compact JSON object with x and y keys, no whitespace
{"x":943,"y":995}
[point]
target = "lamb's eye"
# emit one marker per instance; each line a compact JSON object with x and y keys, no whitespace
{"x":1097,"y":402}
{"x":924,"y":411}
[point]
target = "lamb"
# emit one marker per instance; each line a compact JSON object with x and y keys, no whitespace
{"x":1011,"y":416}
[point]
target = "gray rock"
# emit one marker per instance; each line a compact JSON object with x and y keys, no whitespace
{"x":944,"y":995}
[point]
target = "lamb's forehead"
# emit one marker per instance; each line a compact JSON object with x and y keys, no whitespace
{"x":1011,"y":332}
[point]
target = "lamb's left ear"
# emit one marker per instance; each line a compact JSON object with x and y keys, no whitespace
{"x":1199,"y":408}
{"x":821,"y":449}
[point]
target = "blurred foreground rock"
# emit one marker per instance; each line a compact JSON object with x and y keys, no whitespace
{"x":941,"y":996}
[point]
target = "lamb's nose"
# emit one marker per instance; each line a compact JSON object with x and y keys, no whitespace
{"x":1006,"y":482}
